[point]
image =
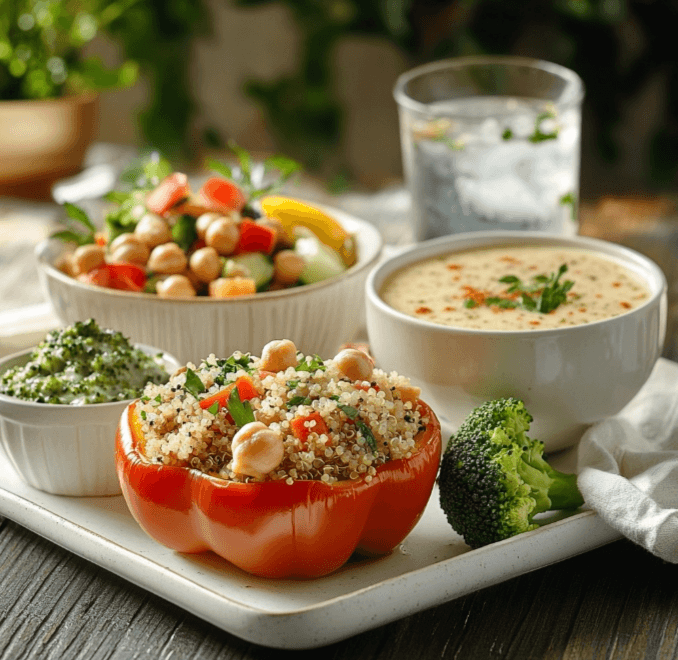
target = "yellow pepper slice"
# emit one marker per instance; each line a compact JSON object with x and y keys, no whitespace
{"x":292,"y":214}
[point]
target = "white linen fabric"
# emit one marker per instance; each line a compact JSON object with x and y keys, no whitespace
{"x":628,"y":465}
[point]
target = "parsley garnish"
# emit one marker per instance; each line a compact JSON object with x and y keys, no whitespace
{"x":313,"y":364}
{"x":291,"y":384}
{"x":507,"y":134}
{"x":231,"y":365}
{"x":569,"y":199}
{"x":193,"y":383}
{"x":299,"y":401}
{"x":143,"y":414}
{"x":455,"y":145}
{"x":81,"y":233}
{"x":214,"y":408}
{"x":354,"y":415}
{"x":241,"y":411}
{"x":543,"y":294}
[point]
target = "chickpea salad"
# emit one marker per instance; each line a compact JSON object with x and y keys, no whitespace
{"x":282,"y":416}
{"x":83,"y":364}
{"x":226,"y":239}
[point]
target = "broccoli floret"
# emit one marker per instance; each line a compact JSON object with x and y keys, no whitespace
{"x":494,"y":479}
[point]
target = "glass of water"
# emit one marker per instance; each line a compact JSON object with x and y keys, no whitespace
{"x":491,"y":142}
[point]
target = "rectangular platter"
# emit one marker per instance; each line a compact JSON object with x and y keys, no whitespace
{"x":431,"y":567}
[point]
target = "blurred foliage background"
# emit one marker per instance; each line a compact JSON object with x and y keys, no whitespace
{"x":618,"y":47}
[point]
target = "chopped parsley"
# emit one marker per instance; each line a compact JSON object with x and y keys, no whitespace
{"x":354,"y":415}
{"x":193,"y":383}
{"x":298,"y":401}
{"x":313,"y":364}
{"x":538,"y":135}
{"x":214,"y":408}
{"x":241,"y":411}
{"x":231,"y":365}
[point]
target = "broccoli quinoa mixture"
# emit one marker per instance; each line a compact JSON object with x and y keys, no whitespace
{"x":83,"y":364}
{"x":331,"y":427}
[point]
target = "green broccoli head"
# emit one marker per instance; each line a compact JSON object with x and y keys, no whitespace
{"x":494,"y":479}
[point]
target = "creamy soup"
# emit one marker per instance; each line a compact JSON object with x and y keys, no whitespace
{"x":515,"y":288}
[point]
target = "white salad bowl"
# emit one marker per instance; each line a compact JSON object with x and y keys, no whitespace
{"x":318,"y":318}
{"x":64,"y":449}
{"x":568,"y":377}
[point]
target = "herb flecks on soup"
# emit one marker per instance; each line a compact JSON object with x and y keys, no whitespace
{"x":515,"y":288}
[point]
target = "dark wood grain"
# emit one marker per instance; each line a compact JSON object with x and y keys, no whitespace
{"x":615,"y":602}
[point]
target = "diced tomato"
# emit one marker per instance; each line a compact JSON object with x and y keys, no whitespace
{"x":171,"y":190}
{"x":255,"y":238}
{"x":124,"y":277}
{"x":246,"y":390}
{"x":301,"y":431}
{"x":221,"y":195}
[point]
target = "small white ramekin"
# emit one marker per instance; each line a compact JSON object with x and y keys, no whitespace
{"x":568,"y":377}
{"x":64,"y":449}
{"x":318,"y":317}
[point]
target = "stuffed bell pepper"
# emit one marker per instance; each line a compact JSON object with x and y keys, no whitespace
{"x":284,"y":464}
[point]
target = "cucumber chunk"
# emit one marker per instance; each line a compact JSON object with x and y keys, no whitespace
{"x":321,"y":260}
{"x":257,"y":265}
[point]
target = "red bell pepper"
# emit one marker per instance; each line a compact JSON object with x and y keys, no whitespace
{"x":255,"y":238}
{"x":246,"y":391}
{"x":171,"y":190}
{"x":221,"y":195}
{"x":272,"y":529}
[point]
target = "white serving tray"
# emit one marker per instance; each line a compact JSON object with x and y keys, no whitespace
{"x":431,"y":567}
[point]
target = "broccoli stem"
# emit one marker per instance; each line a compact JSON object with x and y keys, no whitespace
{"x":563,"y":492}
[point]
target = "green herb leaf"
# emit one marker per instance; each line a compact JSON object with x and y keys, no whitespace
{"x":571,"y":200}
{"x":79,"y":215}
{"x":145,"y":399}
{"x":313,"y":364}
{"x":241,"y":411}
{"x":538,"y":135}
{"x":184,"y":233}
{"x":366,"y":432}
{"x":143,"y":414}
{"x":349,"y":411}
{"x":214,"y":408}
{"x":469,"y":303}
{"x":220,"y":168}
{"x":554,"y":293}
{"x":73,"y":237}
{"x":507,"y":134}
{"x":158,"y":399}
{"x":193,"y":383}
{"x":231,"y":365}
{"x":298,"y":401}
{"x":291,"y":384}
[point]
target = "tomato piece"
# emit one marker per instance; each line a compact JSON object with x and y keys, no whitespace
{"x":246,"y":391}
{"x":171,"y":190}
{"x":124,"y":277}
{"x":301,"y":431}
{"x":221,"y":195}
{"x":255,"y":238}
{"x":97,"y":277}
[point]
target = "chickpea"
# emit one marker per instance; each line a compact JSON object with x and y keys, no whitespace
{"x":205,"y":264}
{"x":132,"y":252}
{"x":409,"y":393}
{"x":65,"y":264}
{"x":222,"y":235}
{"x":204,"y":221}
{"x":354,"y":364}
{"x":87,"y":258}
{"x":234,"y":269}
{"x":123,"y":239}
{"x":278,"y":355}
{"x":167,"y":259}
{"x":175,"y":286}
{"x":288,"y":266}
{"x":257,"y":450}
{"x":153,"y":230}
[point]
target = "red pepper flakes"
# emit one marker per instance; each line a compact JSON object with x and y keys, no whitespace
{"x":424,"y":310}
{"x":535,"y":322}
{"x":582,"y":309}
{"x":625,"y":305}
{"x":616,"y":285}
{"x":454,"y":266}
{"x":478,"y":297}
{"x":449,"y":308}
{"x":509,"y":259}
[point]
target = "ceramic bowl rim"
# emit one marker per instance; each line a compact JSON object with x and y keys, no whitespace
{"x":374,"y":242}
{"x":652,"y":275}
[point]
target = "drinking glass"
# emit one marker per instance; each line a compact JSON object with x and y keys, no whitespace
{"x":491,"y":142}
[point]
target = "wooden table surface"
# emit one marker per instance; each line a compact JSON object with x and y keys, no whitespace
{"x":615,"y":602}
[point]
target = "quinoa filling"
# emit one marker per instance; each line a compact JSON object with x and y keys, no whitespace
{"x":332,"y":427}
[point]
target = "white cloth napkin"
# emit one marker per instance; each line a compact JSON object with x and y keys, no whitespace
{"x":628,"y":465}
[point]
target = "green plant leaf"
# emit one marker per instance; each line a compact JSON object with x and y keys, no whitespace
{"x":77,"y":214}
